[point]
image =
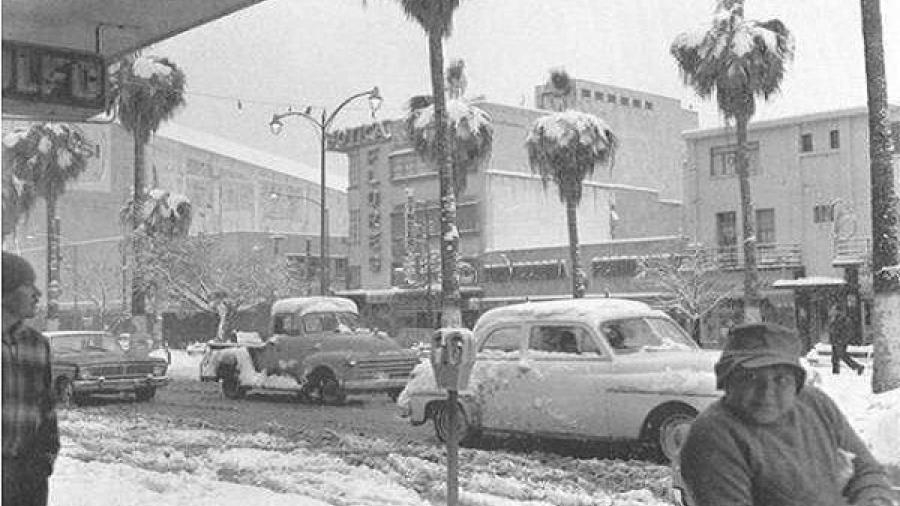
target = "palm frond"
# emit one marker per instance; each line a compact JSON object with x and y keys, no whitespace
{"x":47,"y":156}
{"x":560,"y":81}
{"x":471,"y":135}
{"x":435,"y":16}
{"x":566,"y":147}
{"x":148,"y":90}
{"x":734,"y":58}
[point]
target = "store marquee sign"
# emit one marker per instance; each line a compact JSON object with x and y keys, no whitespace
{"x":366,"y":134}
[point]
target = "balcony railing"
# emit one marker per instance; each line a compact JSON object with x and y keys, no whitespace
{"x":768,"y":256}
{"x":855,"y":250}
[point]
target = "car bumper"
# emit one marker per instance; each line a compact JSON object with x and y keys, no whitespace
{"x":374,"y":385}
{"x":101,"y":385}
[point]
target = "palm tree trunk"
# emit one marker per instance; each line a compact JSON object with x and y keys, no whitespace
{"x":751,"y":275}
{"x":53,"y":281}
{"x":886,"y":321}
{"x":578,"y":287}
{"x":450,"y":310}
{"x":137,"y":294}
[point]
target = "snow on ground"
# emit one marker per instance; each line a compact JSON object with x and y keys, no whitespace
{"x":109,"y":461}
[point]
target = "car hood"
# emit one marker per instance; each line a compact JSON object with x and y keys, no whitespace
{"x":105,"y":357}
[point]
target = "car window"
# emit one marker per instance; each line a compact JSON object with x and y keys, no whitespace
{"x":644,"y":334}
{"x":312,"y":323}
{"x":561,"y":339}
{"x":502,"y":339}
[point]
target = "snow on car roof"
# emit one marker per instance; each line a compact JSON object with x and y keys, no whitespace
{"x":594,"y":310}
{"x":305,"y":305}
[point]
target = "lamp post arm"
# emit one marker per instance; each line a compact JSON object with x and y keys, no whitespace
{"x":349,"y":99}
{"x":278,"y":117}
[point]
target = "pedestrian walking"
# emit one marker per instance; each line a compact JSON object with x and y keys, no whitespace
{"x":30,"y":436}
{"x":840,"y":329}
{"x":773,"y":440}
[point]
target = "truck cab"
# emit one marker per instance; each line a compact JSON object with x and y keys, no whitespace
{"x":316,"y":349}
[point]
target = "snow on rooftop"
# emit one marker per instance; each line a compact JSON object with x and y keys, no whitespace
{"x":337,"y":176}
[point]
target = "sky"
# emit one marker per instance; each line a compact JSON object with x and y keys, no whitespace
{"x":243,"y":68}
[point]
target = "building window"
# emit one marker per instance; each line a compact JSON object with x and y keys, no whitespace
{"x":610,"y":98}
{"x":806,"y":143}
{"x":598,"y":95}
{"x":410,"y":165}
{"x":636,"y":102}
{"x":585,"y":93}
{"x":723,"y":160}
{"x":765,"y":226}
{"x":834,"y":139}
{"x":726,"y":228}
{"x":823,"y":213}
{"x":354,"y":226}
{"x":623,"y":100}
{"x":648,"y":105}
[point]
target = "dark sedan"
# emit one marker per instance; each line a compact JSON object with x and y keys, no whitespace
{"x":93,"y":362}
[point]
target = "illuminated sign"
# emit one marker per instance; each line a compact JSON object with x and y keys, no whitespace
{"x":42,"y":75}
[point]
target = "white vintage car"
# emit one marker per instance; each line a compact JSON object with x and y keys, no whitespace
{"x":586,"y":369}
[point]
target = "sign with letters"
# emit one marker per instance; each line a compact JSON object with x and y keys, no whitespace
{"x":35,"y":75}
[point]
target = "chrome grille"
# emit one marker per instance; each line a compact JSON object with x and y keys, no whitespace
{"x":392,"y":367}
{"x":142,"y":369}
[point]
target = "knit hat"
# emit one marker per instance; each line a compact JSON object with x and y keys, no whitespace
{"x":16,"y":272}
{"x":756,"y":345}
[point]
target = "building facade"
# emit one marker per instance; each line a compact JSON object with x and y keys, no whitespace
{"x":508,"y":221}
{"x":248,"y":198}
{"x":810,"y":185}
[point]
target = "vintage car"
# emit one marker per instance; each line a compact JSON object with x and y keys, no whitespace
{"x":93,"y":362}
{"x":586,"y":369}
{"x":316,"y":350}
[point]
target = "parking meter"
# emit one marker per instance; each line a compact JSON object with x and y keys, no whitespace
{"x":452,"y":357}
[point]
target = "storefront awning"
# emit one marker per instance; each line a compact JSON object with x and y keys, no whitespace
{"x":808,"y":282}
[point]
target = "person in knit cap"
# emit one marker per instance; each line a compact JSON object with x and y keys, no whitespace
{"x":773,"y":439}
{"x":30,"y":436}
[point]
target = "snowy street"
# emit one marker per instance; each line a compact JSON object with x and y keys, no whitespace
{"x":171,"y":450}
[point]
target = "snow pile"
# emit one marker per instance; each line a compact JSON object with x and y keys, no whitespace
{"x":147,"y":66}
{"x":184,"y":366}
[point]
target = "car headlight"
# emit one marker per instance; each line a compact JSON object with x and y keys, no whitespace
{"x":351,"y":362}
{"x":159,"y":370}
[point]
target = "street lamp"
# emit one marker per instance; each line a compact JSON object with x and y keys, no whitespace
{"x":323,"y":123}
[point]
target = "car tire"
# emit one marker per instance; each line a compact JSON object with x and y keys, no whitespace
{"x":465,"y":432}
{"x":231,"y":385}
{"x":666,"y":430}
{"x":144,"y":394}
{"x":327,"y":389}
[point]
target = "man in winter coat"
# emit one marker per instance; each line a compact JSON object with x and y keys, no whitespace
{"x":30,"y":436}
{"x":771,"y":440}
{"x":840,"y":330}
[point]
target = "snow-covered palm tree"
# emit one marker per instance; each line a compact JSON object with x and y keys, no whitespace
{"x":565,"y":147}
{"x":163,"y":214}
{"x":436,"y":18}
{"x":470,"y":129}
{"x":146,"y":91}
{"x":18,"y":199}
{"x":43,"y":159}
{"x":738,"y":60}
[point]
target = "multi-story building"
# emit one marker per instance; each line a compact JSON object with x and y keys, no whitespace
{"x":810,"y":185}
{"x":249,"y":198}
{"x":508,"y":221}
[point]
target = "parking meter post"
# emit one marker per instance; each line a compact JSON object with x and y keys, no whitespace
{"x":452,"y":359}
{"x":452,"y":452}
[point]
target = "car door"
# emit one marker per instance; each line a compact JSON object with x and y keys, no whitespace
{"x":495,"y":377}
{"x":566,"y":383}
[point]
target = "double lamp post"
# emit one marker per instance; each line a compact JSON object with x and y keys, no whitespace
{"x":323,"y":124}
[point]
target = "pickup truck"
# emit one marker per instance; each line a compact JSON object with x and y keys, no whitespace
{"x":316,"y":350}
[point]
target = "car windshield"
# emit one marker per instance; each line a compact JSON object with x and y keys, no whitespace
{"x":341,"y":321}
{"x":633,"y":335}
{"x":84,"y":342}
